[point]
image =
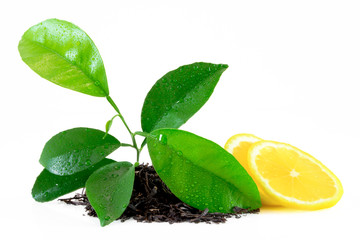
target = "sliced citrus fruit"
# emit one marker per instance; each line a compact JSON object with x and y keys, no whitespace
{"x":238,"y":145}
{"x":292,"y":177}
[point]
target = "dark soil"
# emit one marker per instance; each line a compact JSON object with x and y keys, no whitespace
{"x":152,"y":201}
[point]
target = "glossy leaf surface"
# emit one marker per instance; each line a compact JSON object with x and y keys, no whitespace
{"x":200,"y":172}
{"x":109,"y":190}
{"x":179,"y":94}
{"x":49,"y":186}
{"x":77,"y":149}
{"x":64,"y":54}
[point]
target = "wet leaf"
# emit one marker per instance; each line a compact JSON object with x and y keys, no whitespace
{"x":64,"y":54}
{"x":200,"y":172}
{"x":75,"y":150}
{"x":49,"y":186}
{"x":179,"y":94}
{"x":109,"y":190}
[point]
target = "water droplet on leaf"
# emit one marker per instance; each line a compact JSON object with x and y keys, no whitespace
{"x":163,"y":139}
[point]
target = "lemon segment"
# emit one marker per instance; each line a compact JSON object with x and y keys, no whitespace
{"x":238,"y":145}
{"x":292,"y":177}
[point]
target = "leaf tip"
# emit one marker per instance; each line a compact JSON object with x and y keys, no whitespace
{"x":104,"y":222}
{"x":224,"y":66}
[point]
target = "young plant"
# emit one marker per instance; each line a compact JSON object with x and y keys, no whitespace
{"x":198,"y":171}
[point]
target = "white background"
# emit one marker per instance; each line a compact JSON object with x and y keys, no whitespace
{"x":293,"y":77}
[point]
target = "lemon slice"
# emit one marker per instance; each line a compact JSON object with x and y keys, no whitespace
{"x":238,"y":145}
{"x":292,"y":177}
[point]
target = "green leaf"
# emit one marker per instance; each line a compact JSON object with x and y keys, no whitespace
{"x":49,"y":186}
{"x":200,"y":172}
{"x":109,"y":124}
{"x":179,"y":94}
{"x":77,"y":149}
{"x":64,"y":54}
{"x":109,"y":190}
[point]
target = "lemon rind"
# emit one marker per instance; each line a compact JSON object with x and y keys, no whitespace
{"x":236,"y":139}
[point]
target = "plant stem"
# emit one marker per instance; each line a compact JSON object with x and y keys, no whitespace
{"x":112,"y":103}
{"x":120,"y":115}
{"x":137,"y":155}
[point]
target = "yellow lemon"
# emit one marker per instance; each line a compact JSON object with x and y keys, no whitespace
{"x":292,"y":177}
{"x":238,"y":145}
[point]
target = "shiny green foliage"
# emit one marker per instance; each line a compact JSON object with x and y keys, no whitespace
{"x":179,"y":94}
{"x":75,"y":150}
{"x":200,"y":172}
{"x":109,"y":190}
{"x":49,"y":186}
{"x":64,"y":54}
{"x":197,"y":171}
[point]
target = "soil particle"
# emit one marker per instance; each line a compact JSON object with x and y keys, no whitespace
{"x":152,"y":201}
